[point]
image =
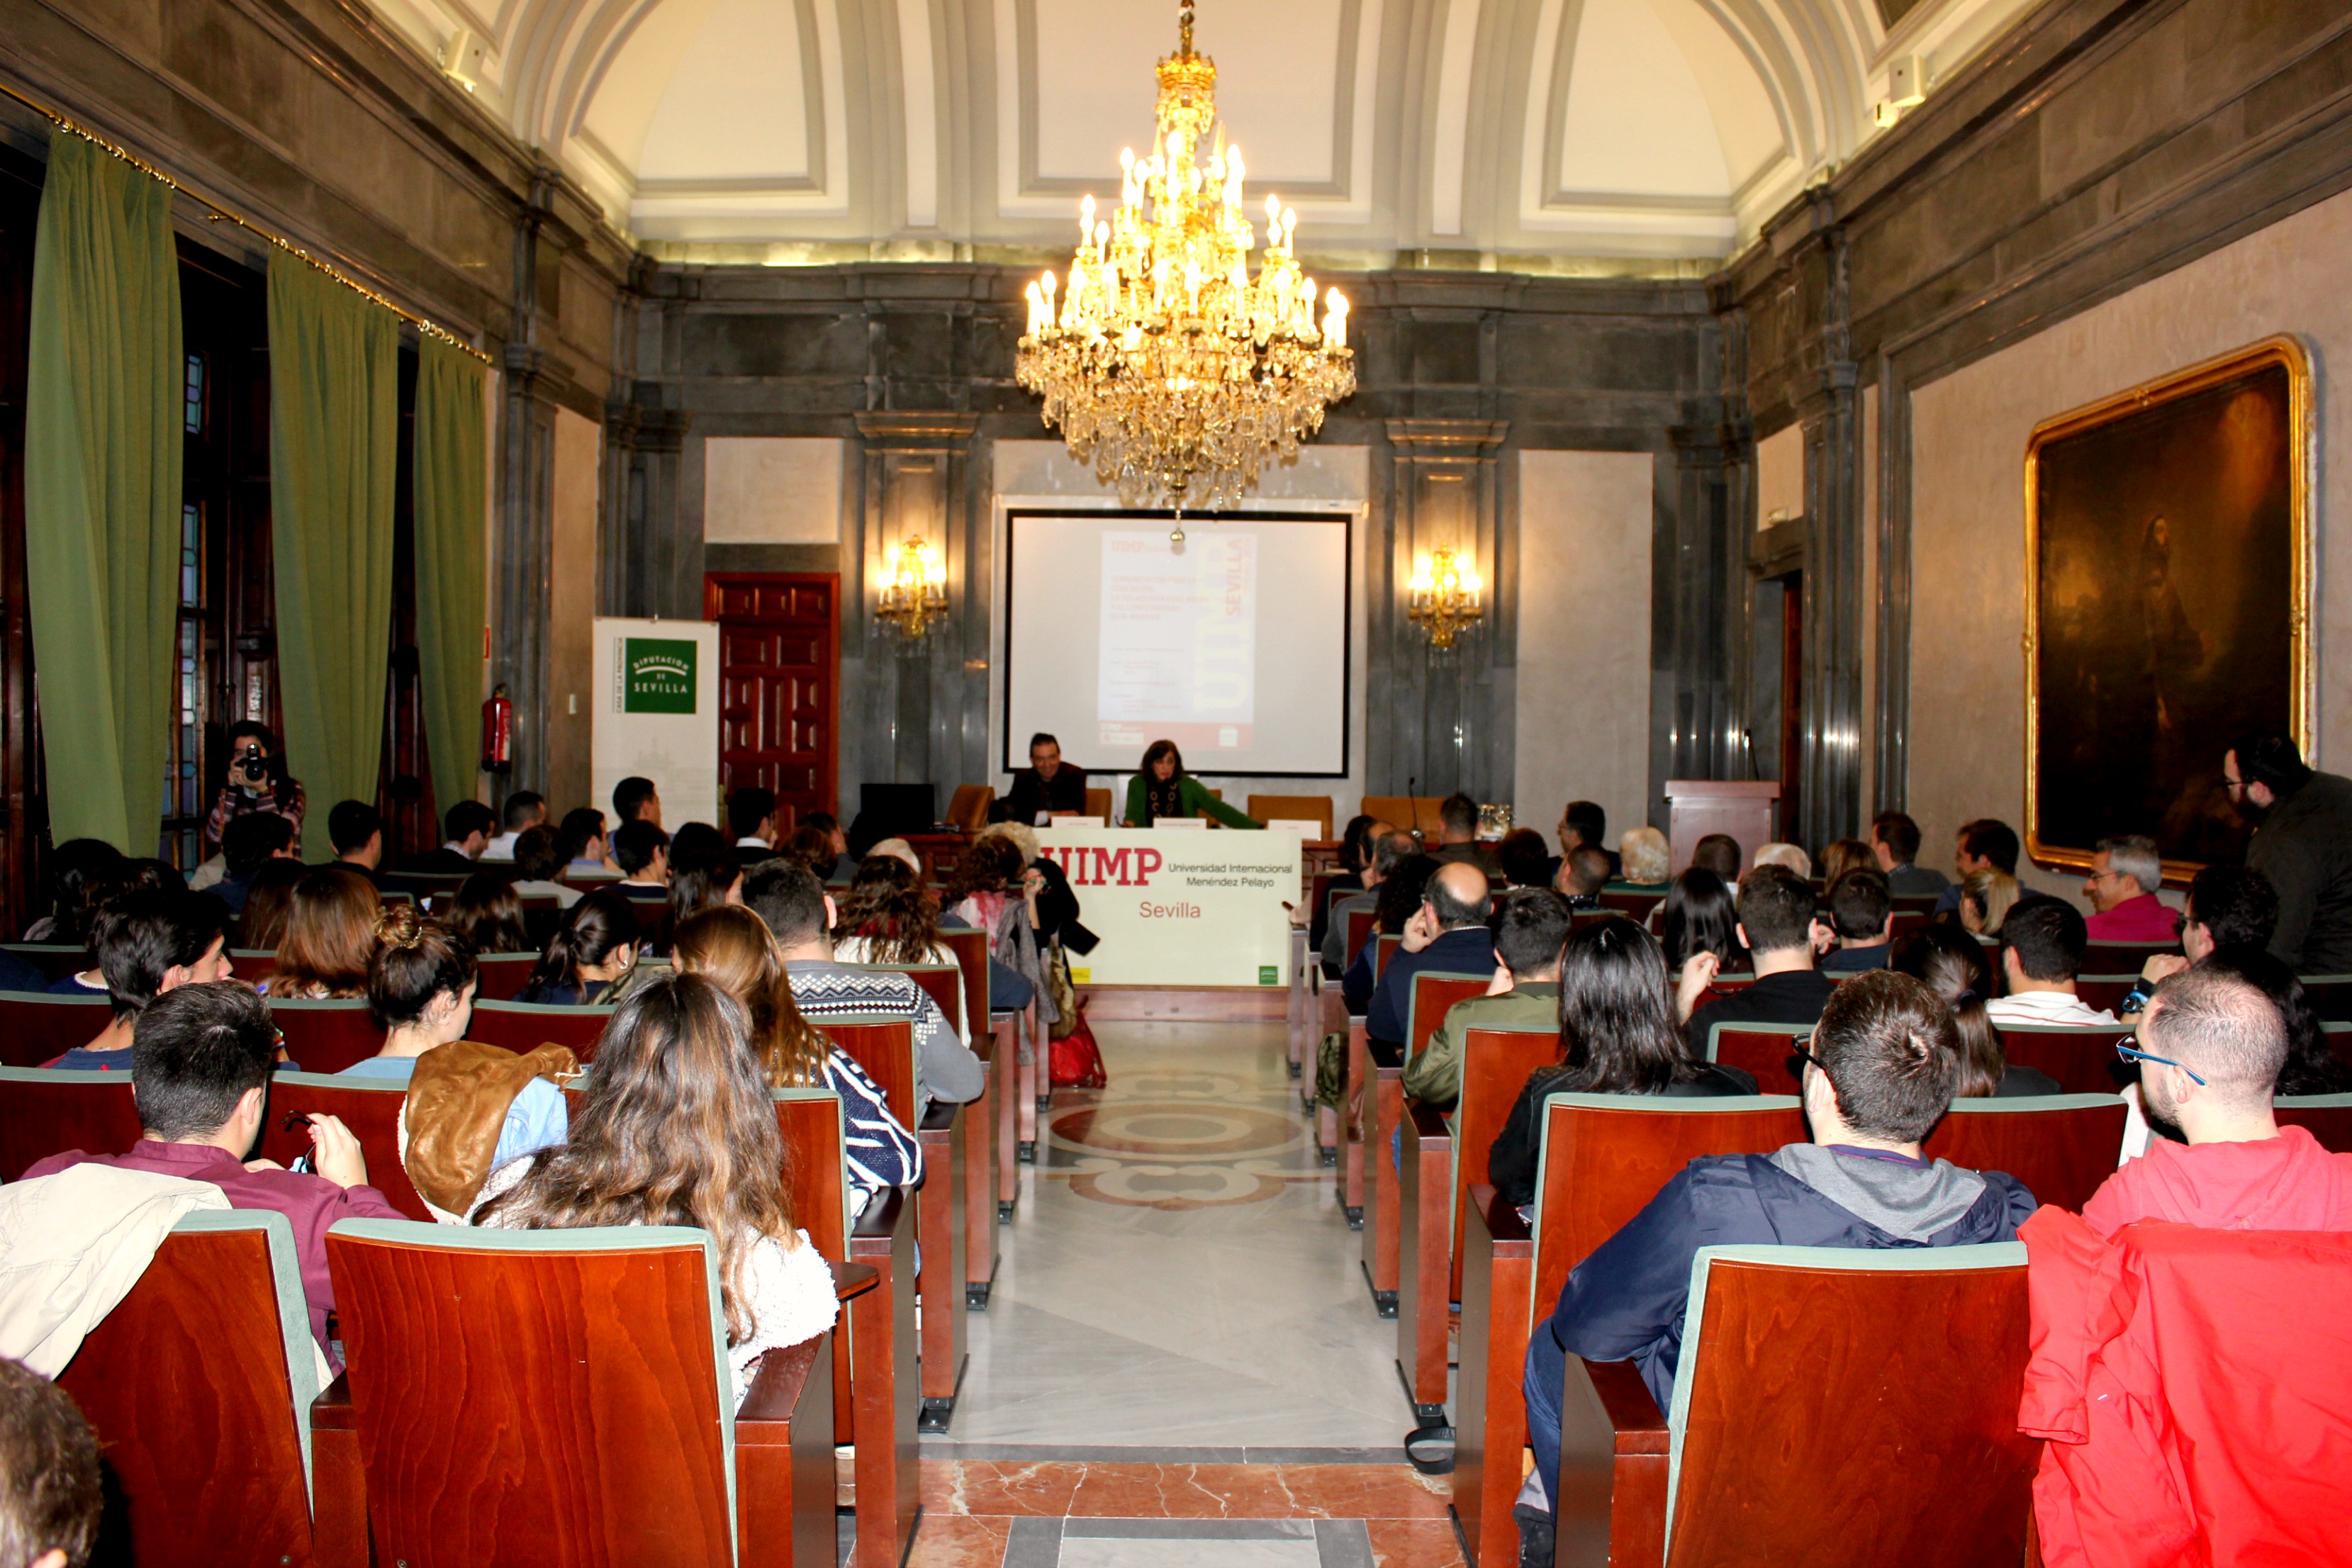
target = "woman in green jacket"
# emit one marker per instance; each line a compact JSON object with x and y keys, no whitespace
{"x":1164,"y":789}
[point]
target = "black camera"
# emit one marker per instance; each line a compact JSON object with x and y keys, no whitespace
{"x":250,"y":769}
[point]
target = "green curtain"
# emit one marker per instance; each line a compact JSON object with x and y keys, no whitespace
{"x":102,"y":439}
{"x":451,"y":541}
{"x":333,"y":439}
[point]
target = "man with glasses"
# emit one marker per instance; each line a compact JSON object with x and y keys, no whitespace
{"x":2303,"y":843}
{"x":2126,"y":873}
{"x":2229,"y":905}
{"x":1878,"y":1073}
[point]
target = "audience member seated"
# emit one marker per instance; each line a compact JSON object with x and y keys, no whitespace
{"x":421,"y":991}
{"x":693,"y":838}
{"x":1162,"y":788}
{"x":844,"y":864}
{"x":636,"y":799}
{"x":200,"y":1066}
{"x":254,"y":840}
{"x":898,"y":850}
{"x":1531,"y":928}
{"x":538,"y":859}
{"x":487,"y":910}
{"x":1584,"y":872}
{"x":1394,"y":903}
{"x":1389,"y":849}
{"x":1894,"y":843}
{"x":1985,"y":900}
{"x":2312,"y":1066}
{"x":2041,"y":952}
{"x":2126,"y":872}
{"x":679,"y":1128}
{"x":73,"y":872}
{"x":1880,"y":1072}
{"x":582,"y":843}
{"x":1046,"y":786}
{"x":1776,"y":921}
{"x":149,"y":945}
{"x":330,"y":938}
{"x":1699,"y":917}
{"x":1447,"y":934}
{"x":702,"y":879}
{"x":733,"y":948}
{"x":1520,"y":854}
{"x":104,"y":889}
{"x":1644,"y":861}
{"x":356,"y":830}
{"x":1984,"y":845}
{"x":2228,"y":906}
{"x":267,"y":898}
{"x":2303,"y":843}
{"x":1583,"y":822}
{"x":1457,"y":837}
{"x":1954,"y":967}
{"x":1788,"y":856}
{"x":593,"y":946}
{"x":1356,"y":841}
{"x":1861,"y":924}
{"x":1719,"y":853}
{"x":258,"y":782}
{"x":1616,"y":1036}
{"x":2188,"y":1409}
{"x":641,"y":849}
{"x":466,"y":825}
{"x":993,"y":890}
{"x":801,"y":916}
{"x":752,"y":819}
{"x":888,"y":916}
{"x":52,"y":1492}
{"x":811,"y":848}
{"x":523,"y":809}
{"x":1843,"y":855}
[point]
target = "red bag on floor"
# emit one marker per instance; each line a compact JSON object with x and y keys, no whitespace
{"x":1076,"y":1061}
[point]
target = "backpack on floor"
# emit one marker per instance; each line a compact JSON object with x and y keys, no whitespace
{"x":1076,"y":1061}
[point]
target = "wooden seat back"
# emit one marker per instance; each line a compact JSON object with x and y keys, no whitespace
{"x":1763,"y":1051}
{"x":968,"y":808}
{"x":2082,"y":1060}
{"x":1636,"y":905}
{"x":1314,"y":809}
{"x":327,"y":1036}
{"x":2121,"y":957}
{"x":1099,"y":804}
{"x":46,"y":1111}
{"x":1434,"y":992}
{"x":500,"y":976}
{"x":1496,"y":1065}
{"x":943,"y":983}
{"x":884,"y":1047}
{"x":2061,"y":1146}
{"x":1360,"y":931}
{"x":2105,"y":991}
{"x":527,"y":1026}
{"x":199,"y":1385}
{"x":546,"y":1396}
{"x":2328,"y":1117}
{"x":653,"y":918}
{"x":2330,"y":997}
{"x":421,"y":886}
{"x":1606,"y":1156}
{"x":809,"y":1122}
{"x":1913,"y":903}
{"x":1388,"y":947}
{"x":36,"y":1027}
{"x":1407,"y":814}
{"x":1909,"y":921}
{"x":54,"y":960}
{"x":1829,"y":1402}
{"x":370,"y":1106}
{"x":971,"y":949}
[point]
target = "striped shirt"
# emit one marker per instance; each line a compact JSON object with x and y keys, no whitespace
{"x":878,"y":1150}
{"x":945,"y":1068}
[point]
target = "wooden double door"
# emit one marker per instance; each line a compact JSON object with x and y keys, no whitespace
{"x":778,"y":686}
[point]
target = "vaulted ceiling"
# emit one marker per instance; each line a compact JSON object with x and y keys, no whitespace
{"x":1532,"y":134}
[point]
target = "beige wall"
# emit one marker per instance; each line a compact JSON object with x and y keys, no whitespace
{"x":1968,"y":437}
{"x":572,"y":609}
{"x":1584,"y":637}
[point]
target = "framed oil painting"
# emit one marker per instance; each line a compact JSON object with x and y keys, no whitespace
{"x":2168,"y":603}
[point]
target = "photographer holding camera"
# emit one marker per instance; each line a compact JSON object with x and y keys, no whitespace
{"x":256,"y":781}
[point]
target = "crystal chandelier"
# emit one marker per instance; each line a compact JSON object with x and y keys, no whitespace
{"x":1445,"y":597}
{"x":1165,"y":365}
{"x":913,"y":589}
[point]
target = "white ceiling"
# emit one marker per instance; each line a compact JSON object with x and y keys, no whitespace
{"x":1539,"y":133}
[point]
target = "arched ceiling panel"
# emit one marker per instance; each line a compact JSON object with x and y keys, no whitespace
{"x":1636,"y":121}
{"x":737,"y":108}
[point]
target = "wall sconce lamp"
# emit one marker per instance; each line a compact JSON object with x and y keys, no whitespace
{"x":914,"y":590}
{"x":1445,"y":597}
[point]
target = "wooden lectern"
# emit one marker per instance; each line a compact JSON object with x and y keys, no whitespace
{"x":1700,"y":806}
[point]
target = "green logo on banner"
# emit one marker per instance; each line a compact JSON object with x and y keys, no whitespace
{"x":657,"y":675}
{"x":1269,"y":975}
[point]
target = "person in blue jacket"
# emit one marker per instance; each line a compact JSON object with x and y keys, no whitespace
{"x":1879,"y":1073}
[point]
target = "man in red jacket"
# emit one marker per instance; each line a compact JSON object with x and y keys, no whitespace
{"x":2183,"y":1425}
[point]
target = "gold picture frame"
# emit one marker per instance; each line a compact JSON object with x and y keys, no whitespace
{"x":2122,"y":731}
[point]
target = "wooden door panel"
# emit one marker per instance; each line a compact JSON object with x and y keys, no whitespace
{"x":779,"y":666}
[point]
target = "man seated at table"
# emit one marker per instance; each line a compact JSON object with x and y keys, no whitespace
{"x":1527,"y":942}
{"x":1447,"y":934}
{"x":1046,"y":786}
{"x":1880,"y":1071}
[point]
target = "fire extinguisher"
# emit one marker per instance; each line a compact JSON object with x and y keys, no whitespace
{"x":497,"y":731}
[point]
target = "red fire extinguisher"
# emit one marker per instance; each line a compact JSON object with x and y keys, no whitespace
{"x":497,"y":731}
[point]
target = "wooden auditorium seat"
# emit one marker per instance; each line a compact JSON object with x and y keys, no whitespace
{"x":2105,"y":992}
{"x":1604,"y":1156}
{"x":527,"y":1026}
{"x":2328,"y":1117}
{"x":1763,"y":1051}
{"x":327,"y":1036}
{"x":2330,"y":997}
{"x":420,"y":886}
{"x":1440,"y":1162}
{"x":200,"y":1384}
{"x":968,"y":808}
{"x":2061,"y":1146}
{"x":46,"y":1111}
{"x":1831,"y":1407}
{"x":54,"y":960}
{"x":563,"y":1396}
{"x":36,"y":1027}
{"x":502,"y":975}
{"x":1637,"y":906}
{"x":2121,"y":957}
{"x":1913,"y":903}
{"x":1315,"y":808}
{"x":2083,"y":1061}
{"x":1409,"y":814}
{"x":996,"y":1113}
{"x":1433,"y":995}
{"x":370,"y":1106}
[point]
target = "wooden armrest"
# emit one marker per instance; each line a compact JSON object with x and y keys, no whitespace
{"x":776,"y":1386}
{"x":940,"y":1117}
{"x":883,"y":1213}
{"x":1503,"y":1221}
{"x":1428,"y":1126}
{"x":1626,"y":1401}
{"x":853,"y":1278}
{"x":331,"y":1411}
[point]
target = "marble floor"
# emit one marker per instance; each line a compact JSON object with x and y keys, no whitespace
{"x":1180,"y":1363}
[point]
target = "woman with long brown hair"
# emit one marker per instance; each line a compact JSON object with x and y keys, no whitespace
{"x":888,"y":917}
{"x":733,"y":948}
{"x":678,"y":1128}
{"x":487,"y":912}
{"x":1162,"y":788}
{"x":593,"y":946}
{"x":1953,"y":965}
{"x":330,"y":921}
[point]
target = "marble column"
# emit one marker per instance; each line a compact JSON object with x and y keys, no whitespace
{"x":924,"y":700}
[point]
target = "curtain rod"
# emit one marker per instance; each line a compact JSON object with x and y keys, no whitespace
{"x":219,"y":213}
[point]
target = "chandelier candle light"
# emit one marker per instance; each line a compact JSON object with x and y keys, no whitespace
{"x":914,"y":588}
{"x":1164,"y":363}
{"x":1445,"y":597}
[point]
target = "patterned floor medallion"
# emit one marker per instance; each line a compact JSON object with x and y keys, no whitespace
{"x":1176,"y":1141}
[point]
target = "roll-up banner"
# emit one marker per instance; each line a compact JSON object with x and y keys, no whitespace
{"x":656,"y":714}
{"x":1180,"y":907}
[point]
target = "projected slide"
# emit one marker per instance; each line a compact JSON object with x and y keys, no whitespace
{"x":1233,"y":645}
